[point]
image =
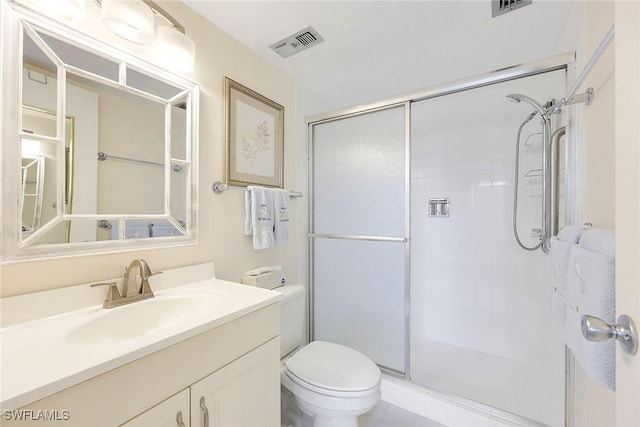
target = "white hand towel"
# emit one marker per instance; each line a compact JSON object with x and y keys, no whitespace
{"x":591,"y":290}
{"x":281,"y":206}
{"x":248,"y":212}
{"x":262,"y":217}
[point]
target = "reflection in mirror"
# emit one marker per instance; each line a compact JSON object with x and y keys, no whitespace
{"x":37,"y":121}
{"x":32,"y":183}
{"x":138,"y":228}
{"x":118,"y":165}
{"x":138,"y":80}
{"x":81,"y":58}
{"x":38,"y":83}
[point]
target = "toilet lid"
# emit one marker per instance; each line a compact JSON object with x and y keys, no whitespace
{"x":333,"y":367}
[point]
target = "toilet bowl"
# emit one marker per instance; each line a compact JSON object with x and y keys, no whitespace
{"x":331,"y":383}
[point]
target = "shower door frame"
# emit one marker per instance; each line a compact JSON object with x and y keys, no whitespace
{"x":572,"y":213}
{"x":406,"y":105}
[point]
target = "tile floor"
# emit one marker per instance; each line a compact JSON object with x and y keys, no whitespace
{"x":388,"y":415}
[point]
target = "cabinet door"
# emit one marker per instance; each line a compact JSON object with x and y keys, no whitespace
{"x":168,"y":413}
{"x":246,"y":392}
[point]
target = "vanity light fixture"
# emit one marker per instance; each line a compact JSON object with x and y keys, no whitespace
{"x":66,"y":9}
{"x":174,"y":49}
{"x":134,"y":21}
{"x":130,"y":19}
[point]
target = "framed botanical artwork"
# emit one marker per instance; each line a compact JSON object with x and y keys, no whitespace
{"x":255,"y":137}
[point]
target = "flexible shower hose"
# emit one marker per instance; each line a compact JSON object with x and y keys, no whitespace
{"x":515,"y":189}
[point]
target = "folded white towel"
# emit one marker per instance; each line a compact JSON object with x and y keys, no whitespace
{"x":556,"y":294}
{"x":591,"y":290}
{"x":596,"y":358}
{"x":599,"y":240}
{"x":572,"y":233}
{"x":281,"y":209}
{"x":261,"y":212}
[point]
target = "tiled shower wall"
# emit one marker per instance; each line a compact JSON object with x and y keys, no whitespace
{"x":480,"y":327}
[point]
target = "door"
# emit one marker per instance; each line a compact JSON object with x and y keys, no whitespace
{"x":172,"y":412}
{"x":627,"y":130}
{"x":358,"y":234}
{"x":245,"y":393}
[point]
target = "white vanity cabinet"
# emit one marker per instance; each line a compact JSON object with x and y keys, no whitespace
{"x":234,"y":366}
{"x":241,"y":393}
{"x":172,"y":412}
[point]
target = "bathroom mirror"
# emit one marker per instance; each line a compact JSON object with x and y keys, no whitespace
{"x":32,"y":192}
{"x":105,"y":143}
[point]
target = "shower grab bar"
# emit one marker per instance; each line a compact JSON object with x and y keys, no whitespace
{"x":554,"y":149}
{"x":357,"y":237}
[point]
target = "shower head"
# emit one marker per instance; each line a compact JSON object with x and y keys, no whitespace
{"x":516,"y":97}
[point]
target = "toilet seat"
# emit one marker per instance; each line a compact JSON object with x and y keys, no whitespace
{"x":333,"y":370}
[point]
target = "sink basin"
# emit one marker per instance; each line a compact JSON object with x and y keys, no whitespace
{"x":141,"y":318}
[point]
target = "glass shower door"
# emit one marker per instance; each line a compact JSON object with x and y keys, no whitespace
{"x":358,"y":234}
{"x":480,"y":326}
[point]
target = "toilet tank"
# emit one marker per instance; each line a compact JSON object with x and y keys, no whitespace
{"x":291,"y":317}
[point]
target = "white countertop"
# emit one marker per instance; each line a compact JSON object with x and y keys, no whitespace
{"x":39,"y":357}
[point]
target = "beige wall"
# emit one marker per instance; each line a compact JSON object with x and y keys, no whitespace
{"x":598,"y":403}
{"x":221,"y":217}
{"x":627,"y":202}
{"x":599,"y":135}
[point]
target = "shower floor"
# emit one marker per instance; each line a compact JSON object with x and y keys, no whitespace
{"x":506,"y":384}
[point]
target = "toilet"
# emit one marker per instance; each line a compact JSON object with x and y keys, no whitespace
{"x":331,"y":383}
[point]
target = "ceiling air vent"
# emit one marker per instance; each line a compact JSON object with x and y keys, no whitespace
{"x":297,"y":42}
{"x":500,"y":7}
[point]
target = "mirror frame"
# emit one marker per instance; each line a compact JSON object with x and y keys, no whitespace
{"x":13,"y":247}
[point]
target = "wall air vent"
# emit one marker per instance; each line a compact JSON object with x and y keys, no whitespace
{"x":500,"y":7}
{"x":297,"y":42}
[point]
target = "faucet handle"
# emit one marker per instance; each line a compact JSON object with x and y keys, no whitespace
{"x":112,"y":294}
{"x":93,"y":285}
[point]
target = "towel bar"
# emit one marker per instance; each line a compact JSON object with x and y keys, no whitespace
{"x":220,"y":187}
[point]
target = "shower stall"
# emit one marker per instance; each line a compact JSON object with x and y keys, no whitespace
{"x":412,"y":255}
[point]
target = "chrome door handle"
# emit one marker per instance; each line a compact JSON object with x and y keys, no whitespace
{"x":205,"y":412}
{"x":625,"y":332}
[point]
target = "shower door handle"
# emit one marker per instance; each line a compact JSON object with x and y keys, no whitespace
{"x":625,"y":332}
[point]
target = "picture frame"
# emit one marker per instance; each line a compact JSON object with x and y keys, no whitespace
{"x":255,"y":138}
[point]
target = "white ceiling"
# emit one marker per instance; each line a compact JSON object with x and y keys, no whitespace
{"x":380,"y":49}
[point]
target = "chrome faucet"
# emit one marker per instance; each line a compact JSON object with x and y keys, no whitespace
{"x":131,"y":291}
